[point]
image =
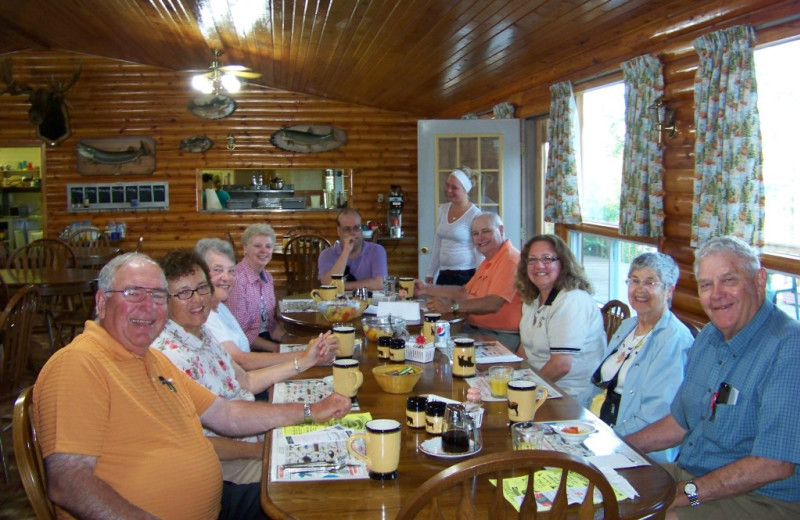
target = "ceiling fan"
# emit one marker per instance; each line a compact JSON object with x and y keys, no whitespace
{"x":220,"y":77}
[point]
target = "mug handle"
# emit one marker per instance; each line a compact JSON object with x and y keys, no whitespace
{"x":359,"y":378}
{"x":315,"y":294}
{"x":540,"y":400}
{"x":353,"y":451}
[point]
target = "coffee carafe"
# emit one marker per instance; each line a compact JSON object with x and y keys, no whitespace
{"x":459,"y":433}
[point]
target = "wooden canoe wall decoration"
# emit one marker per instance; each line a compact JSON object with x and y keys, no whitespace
{"x":309,"y":138}
{"x":117,"y":156}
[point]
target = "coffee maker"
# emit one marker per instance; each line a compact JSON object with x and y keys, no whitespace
{"x":394,"y":217}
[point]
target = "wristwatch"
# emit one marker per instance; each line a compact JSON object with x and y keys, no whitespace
{"x":454,"y":307}
{"x":307,"y":413}
{"x":690,"y":490}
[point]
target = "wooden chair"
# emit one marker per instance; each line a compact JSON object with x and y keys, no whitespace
{"x":302,"y":229}
{"x":139,"y":245}
{"x":88,"y":237}
{"x":44,"y":253}
{"x":694,"y":329}
{"x":28,"y":454}
{"x":16,"y":326}
{"x":300,"y":259}
{"x":49,"y":253}
{"x":613,"y":313}
{"x":453,"y":490}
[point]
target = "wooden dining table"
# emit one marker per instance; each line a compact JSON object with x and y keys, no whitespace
{"x":95,"y":256}
{"x":367,"y":499}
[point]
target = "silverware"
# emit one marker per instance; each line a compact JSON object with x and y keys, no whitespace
{"x":329,"y":466}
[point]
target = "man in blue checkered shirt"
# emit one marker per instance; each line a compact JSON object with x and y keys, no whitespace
{"x":736,"y":416}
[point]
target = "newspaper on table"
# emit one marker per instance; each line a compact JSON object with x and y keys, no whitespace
{"x":593,"y":448}
{"x":481,"y":382}
{"x":308,"y":444}
{"x":494,"y":352}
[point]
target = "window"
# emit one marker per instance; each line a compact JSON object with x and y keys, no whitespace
{"x":602,"y":138}
{"x":606,"y":261}
{"x":779,"y":111}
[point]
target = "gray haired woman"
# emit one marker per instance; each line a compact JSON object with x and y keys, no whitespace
{"x":648,"y":352}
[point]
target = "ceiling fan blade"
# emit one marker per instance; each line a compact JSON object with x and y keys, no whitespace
{"x":247,"y":74}
{"x":234,"y":68}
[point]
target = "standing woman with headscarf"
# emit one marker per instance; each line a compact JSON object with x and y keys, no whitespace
{"x":453,"y":254}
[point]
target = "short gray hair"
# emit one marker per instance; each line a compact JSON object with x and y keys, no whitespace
{"x":107,"y":273}
{"x":258,"y":230}
{"x":728,"y":244}
{"x":205,"y":246}
{"x":494,"y":219}
{"x":663,"y":265}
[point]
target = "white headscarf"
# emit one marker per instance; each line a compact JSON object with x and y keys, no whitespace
{"x":463,"y":178}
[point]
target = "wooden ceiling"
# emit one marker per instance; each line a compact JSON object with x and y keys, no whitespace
{"x":425,"y":57}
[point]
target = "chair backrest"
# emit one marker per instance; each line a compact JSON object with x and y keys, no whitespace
{"x":139,"y":245}
{"x":300,"y":257}
{"x":42,"y":254}
{"x":451,"y":493}
{"x":302,"y":229}
{"x":694,"y":329}
{"x":613,"y":313}
{"x":29,"y":457}
{"x":88,"y":237}
{"x":16,"y":326}
{"x":232,"y":242}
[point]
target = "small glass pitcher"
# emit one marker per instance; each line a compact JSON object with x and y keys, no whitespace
{"x":459,"y":433}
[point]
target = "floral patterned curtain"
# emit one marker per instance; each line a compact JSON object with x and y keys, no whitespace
{"x":728,"y":186}
{"x":641,"y":211}
{"x":561,"y":204}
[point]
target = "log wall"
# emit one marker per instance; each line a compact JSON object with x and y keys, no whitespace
{"x":118,"y":99}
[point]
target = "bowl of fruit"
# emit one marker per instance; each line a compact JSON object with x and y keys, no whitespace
{"x":341,"y":311}
{"x":377,"y":326}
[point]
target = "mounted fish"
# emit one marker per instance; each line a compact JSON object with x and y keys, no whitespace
{"x":116,"y":156}
{"x":309,"y":138}
{"x":212,"y":106}
{"x":48,"y":112}
{"x":196,"y":144}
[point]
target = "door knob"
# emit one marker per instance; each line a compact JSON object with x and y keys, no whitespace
{"x":424,"y":250}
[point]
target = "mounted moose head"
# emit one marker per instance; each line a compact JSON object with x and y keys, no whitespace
{"x":48,"y":112}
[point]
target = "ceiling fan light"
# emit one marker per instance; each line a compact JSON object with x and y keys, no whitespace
{"x":202,"y":83}
{"x":231,"y":83}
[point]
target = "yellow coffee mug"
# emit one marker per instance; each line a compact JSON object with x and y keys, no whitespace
{"x":382,"y":439}
{"x":324,"y":293}
{"x":407,"y":285}
{"x":347,"y":340}
{"x":347,"y":378}
{"x":523,"y":401}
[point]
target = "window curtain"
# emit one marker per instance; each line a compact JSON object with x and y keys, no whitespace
{"x":561,"y":203}
{"x":728,"y":186}
{"x":641,"y":211}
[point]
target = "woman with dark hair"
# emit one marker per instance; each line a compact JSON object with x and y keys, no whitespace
{"x":561,"y":331}
{"x":648,"y":353}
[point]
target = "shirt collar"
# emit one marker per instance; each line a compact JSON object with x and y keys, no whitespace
{"x":747,"y":335}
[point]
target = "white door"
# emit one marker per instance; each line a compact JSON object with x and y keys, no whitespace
{"x":491,"y":148}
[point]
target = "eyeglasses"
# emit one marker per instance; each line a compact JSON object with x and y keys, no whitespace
{"x":546,"y":260}
{"x":350,"y":229}
{"x":647,"y":284}
{"x":185,"y":294}
{"x":138,"y":294}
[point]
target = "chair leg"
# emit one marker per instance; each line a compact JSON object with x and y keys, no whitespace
{"x":3,"y":462}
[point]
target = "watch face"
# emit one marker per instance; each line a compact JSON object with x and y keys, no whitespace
{"x":690,"y":488}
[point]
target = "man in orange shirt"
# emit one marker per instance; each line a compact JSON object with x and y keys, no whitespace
{"x":490,"y":300}
{"x":120,"y":426}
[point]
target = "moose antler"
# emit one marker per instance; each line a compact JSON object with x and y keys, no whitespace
{"x":14,"y":88}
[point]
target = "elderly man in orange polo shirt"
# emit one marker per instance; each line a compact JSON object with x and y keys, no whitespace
{"x":490,"y":300}
{"x":120,"y":426}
